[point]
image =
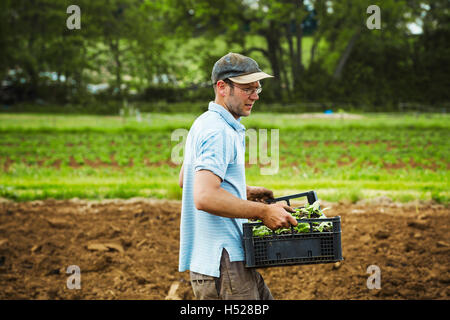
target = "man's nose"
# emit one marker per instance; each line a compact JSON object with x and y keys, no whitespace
{"x":254,"y":96}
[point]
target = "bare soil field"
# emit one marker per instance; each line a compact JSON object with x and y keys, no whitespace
{"x":128,"y":249}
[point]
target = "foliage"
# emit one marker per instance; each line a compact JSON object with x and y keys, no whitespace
{"x":309,"y":211}
{"x":156,"y":50}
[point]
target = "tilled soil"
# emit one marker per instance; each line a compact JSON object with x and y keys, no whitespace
{"x":128,"y":249}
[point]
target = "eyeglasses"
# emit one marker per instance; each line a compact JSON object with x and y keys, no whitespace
{"x":250,"y":91}
{"x":247,"y":91}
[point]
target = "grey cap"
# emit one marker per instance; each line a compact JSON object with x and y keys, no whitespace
{"x":237,"y":68}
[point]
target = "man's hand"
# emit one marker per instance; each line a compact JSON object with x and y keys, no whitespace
{"x":276,"y":216}
{"x":209,"y":196}
{"x":258,"y":194}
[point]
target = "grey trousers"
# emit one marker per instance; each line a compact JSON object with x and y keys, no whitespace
{"x":236,"y":282}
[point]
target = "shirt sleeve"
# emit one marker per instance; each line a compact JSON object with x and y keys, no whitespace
{"x":214,"y":152}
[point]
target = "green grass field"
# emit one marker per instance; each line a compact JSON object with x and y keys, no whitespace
{"x":404,"y":157}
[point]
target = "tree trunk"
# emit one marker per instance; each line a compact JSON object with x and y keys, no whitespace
{"x":273,"y":59}
{"x":314,"y":46}
{"x":273,"y":44}
{"x":299,"y":36}
{"x":285,"y":83}
{"x":346,"y":54}
{"x":114,"y":45}
{"x":292,"y":59}
{"x":320,"y":8}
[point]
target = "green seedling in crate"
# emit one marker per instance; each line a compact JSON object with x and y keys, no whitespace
{"x":261,"y":231}
{"x":308,"y":212}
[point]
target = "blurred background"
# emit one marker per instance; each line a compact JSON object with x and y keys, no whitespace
{"x":159,"y":54}
{"x":91,"y":112}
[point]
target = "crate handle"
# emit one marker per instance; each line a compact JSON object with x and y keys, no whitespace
{"x":310,"y":195}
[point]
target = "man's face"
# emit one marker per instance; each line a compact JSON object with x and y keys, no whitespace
{"x":238,"y":101}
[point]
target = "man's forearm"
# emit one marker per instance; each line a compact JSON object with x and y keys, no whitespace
{"x":220,"y":202}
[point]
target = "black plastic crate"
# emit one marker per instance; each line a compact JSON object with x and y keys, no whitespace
{"x":295,"y":248}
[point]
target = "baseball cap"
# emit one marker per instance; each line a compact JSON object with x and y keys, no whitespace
{"x":238,"y":68}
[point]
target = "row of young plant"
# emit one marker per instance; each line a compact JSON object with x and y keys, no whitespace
{"x":410,"y":149}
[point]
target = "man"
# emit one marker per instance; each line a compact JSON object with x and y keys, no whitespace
{"x":215,"y":204}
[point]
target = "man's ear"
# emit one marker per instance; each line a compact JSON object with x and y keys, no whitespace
{"x":221,"y":88}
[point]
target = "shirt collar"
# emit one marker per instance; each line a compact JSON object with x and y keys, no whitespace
{"x":235,"y":124}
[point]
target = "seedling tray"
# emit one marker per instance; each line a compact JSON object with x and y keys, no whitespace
{"x":293,"y":248}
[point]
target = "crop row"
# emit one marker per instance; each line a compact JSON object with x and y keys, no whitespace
{"x":403,"y":149}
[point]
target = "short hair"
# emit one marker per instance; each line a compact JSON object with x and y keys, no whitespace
{"x":227,"y":81}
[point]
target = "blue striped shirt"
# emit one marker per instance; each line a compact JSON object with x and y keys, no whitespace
{"x":215,"y":142}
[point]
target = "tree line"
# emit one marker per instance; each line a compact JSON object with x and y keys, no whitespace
{"x":164,"y":50}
